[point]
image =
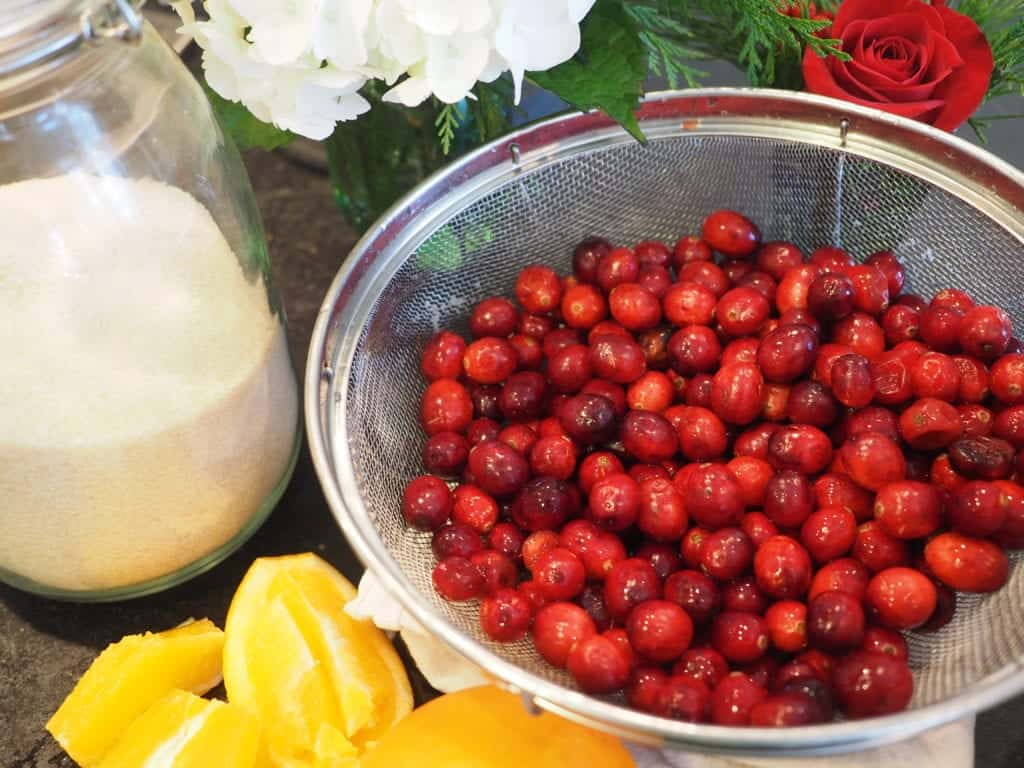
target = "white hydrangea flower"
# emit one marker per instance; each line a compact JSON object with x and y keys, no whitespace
{"x":299,"y":64}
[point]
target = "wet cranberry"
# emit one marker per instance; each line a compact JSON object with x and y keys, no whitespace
{"x":787,"y":625}
{"x":617,"y":359}
{"x":615,"y":502}
{"x":833,"y":490}
{"x":733,"y":699}
{"x":743,"y":350}
{"x":587,"y":256}
{"x":645,"y":687}
{"x":652,"y":252}
{"x":878,"y":550}
{"x":505,"y":616}
{"x":913,"y":301}
{"x":986,"y":458}
{"x":736,"y":393}
{"x":583,"y":306}
{"x":689,"y":304}
{"x":684,"y":698}
{"x":810,"y":403}
{"x":474,"y":507}
{"x":498,"y":468}
{"x":977,"y":509}
{"x":456,"y":539}
{"x":782,"y":568}
{"x":559,"y":574}
{"x":1007,"y":379}
{"x":753,"y":475}
{"x":495,"y":317}
{"x":445,"y":407}
{"x":758,"y":527}
{"x":634,"y":307}
{"x":730,"y":233}
{"x":872,"y":419}
{"x":829,"y":533}
{"x":588,"y":419}
{"x":796,"y":669}
{"x":661,"y":513}
{"x":529,"y":590}
{"x":976,"y":419}
{"x":664,"y":558}
{"x":558,"y":339}
{"x":787,"y":353}
{"x":553,"y":457}
{"x":888,"y":641}
{"x":656,"y":279}
{"x":642,"y":472}
{"x":872,"y":460}
{"x":890,"y":375}
{"x":743,"y":595}
{"x":654,"y":344}
{"x":789,"y":499}
{"x":707,"y":274}
{"x":954,"y":298}
{"x":934,"y":374}
{"x":940,"y":328}
{"x":535,"y":326}
{"x":797,"y":316}
{"x":830,"y":296}
{"x":445,"y":453}
{"x":544,"y":503}
{"x":761,"y":282}
{"x":690,"y":248}
{"x":659,"y":630}
{"x":629,"y":583}
{"x":777,"y":257}
{"x":754,"y":441}
{"x":694,"y":349}
{"x":614,"y":393}
{"x":522,"y":396}
{"x":894,"y":272}
{"x":704,"y":664}
{"x":930,"y":423}
{"x":601,"y":554}
{"x":827,"y":355}
{"x":842,"y":575}
{"x":794,"y":285}
{"x":620,"y":266}
{"x":489,"y":360}
{"x":538,"y":289}
{"x":557,"y":627}
{"x":569,"y":368}
{"x":1008,"y":425}
{"x":783,"y":710}
{"x":498,"y":570}
{"x":801,"y":448}
{"x":519,"y":436}
{"x":457,"y":579}
{"x":835,"y":621}
{"x":695,"y":592}
{"x":900,"y":598}
{"x":908,"y":509}
{"x":901,"y":323}
{"x":727,"y":554}
{"x":739,"y":636}
{"x":967,"y":564}
{"x":596,"y":466}
{"x":861,"y":333}
{"x":701,"y":434}
{"x":598,"y":664}
{"x":651,"y":392}
{"x":774,"y":400}
{"x":648,"y":437}
{"x":712,"y":496}
{"x":741,"y":311}
{"x":442,"y":356}
{"x":1011,"y":499}
{"x":426,"y":503}
{"x":870,"y":288}
{"x":852,"y":381}
{"x":507,"y":539}
{"x":872,"y":684}
{"x":985,"y":332}
{"x":529,"y":353}
{"x":945,"y":607}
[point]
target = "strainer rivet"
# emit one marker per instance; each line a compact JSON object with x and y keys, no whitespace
{"x":844,"y":128}
{"x":529,"y":704}
{"x":513,"y":150}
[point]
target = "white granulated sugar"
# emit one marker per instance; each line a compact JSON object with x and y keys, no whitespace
{"x":147,"y":403}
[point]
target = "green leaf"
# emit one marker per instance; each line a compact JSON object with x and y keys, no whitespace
{"x":446,"y":122}
{"x":609,"y":69}
{"x":240,"y":124}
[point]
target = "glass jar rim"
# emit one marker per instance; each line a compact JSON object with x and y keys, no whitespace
{"x":37,"y":31}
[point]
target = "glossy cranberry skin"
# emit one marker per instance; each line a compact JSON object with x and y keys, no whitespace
{"x":934,"y":374}
{"x":883,"y":640}
{"x":839,"y":490}
{"x":901,"y":323}
{"x":614,"y":502}
{"x":445,"y":453}
{"x":929,"y":423}
{"x":830,"y":296}
{"x":651,"y":392}
{"x":870,"y":289}
{"x":662,"y":513}
{"x":985,"y":332}
{"x":741,"y":311}
{"x":634,"y":307}
{"x":474,"y":507}
{"x":1007,"y":379}
{"x":890,"y":267}
{"x":852,"y":381}
{"x":739,"y":636}
{"x":743,"y":350}
{"x":689,"y":304}
{"x":489,"y":360}
{"x":810,"y":403}
{"x":782,"y":710}
{"x":617,"y":359}
{"x":538,"y":289}
{"x":940,"y":328}
{"x":683,"y":698}
{"x":442,"y":356}
{"x":601,"y":554}
{"x":569,"y":368}
{"x":690,"y":248}
{"x":559,"y":574}
{"x":695,"y":592}
{"x":861,"y":333}
{"x":558,"y":339}
{"x":629,"y":583}
{"x":986,"y":458}
{"x":445,"y":407}
{"x":499,"y":469}
{"x":519,"y":436}
{"x":842,"y":575}
{"x":758,"y":527}
{"x":1008,"y":425}
{"x":890,"y":377}
{"x":828,"y":354}
{"x":774,"y":399}
{"x":787,"y":353}
{"x":494,"y":317}
{"x":727,"y":554}
{"x":553,"y":457}
{"x":777,"y":257}
{"x":977,"y":509}
{"x":743,"y":594}
{"x":753,"y":475}
{"x":976,"y":419}
{"x":794,"y":285}
{"x":872,"y":684}
{"x":966,"y":564}
{"x":522,"y":396}
{"x":596,"y":466}
{"x":505,"y":616}
{"x":782,"y":568}
{"x":829,"y":533}
{"x":712,"y":496}
{"x":733,"y":699}
{"x":529,"y":353}
{"x":787,"y":625}
{"x":535,"y":326}
{"x":789,"y":499}
{"x":912,"y":300}
{"x":659,"y":630}
{"x":654,"y":278}
{"x":587,"y":256}
{"x":583,"y":306}
{"x":908,"y":509}
{"x":456,"y":579}
{"x":648,"y":437}
{"x":736,"y":393}
{"x":620,"y":266}
{"x":507,"y":539}
{"x":498,"y":570}
{"x":664,"y":557}
{"x":604,"y":388}
{"x":557,"y":627}
{"x":900,"y":598}
{"x":835,"y":621}
{"x":588,"y":419}
{"x":705,"y":273}
{"x":694,"y":349}
{"x":701,"y":434}
{"x":801,"y":448}
{"x":645,"y":687}
{"x":598,"y":665}
{"x":754,"y":441}
{"x":426,"y":503}
{"x":877,"y":549}
{"x":872,"y":460}
{"x":481,"y":430}
{"x":730,"y":233}
{"x":456,"y":539}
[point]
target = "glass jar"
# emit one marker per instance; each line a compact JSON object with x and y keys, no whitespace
{"x":148,"y":406}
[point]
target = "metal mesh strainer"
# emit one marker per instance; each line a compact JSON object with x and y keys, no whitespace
{"x":807,"y":169}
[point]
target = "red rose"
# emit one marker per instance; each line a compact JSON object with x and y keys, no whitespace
{"x":927,"y":62}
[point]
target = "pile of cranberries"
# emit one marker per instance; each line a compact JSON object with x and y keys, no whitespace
{"x":723,"y":486}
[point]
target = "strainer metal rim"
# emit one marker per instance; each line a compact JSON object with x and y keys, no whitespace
{"x":953,"y":164}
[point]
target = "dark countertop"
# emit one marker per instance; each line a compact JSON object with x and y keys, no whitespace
{"x":45,"y":646}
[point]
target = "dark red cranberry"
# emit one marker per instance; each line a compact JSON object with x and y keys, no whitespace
{"x":761,"y":282}
{"x":684,"y":698}
{"x":426,"y":503}
{"x":777,"y":257}
{"x":872,"y":460}
{"x":900,"y":598}
{"x":695,"y":592}
{"x":784,"y":710}
{"x":663,"y":557}
{"x":743,"y":595}
{"x":706,"y":273}
{"x":712,"y":496}
{"x":797,"y":316}
{"x":985,"y":332}
{"x":754,"y":441}
{"x":629,"y":583}
{"x":908,"y":509}
{"x":457,"y":579}
{"x":662,"y":512}
{"x":835,"y":621}
{"x":740,"y":637}
{"x":485,"y":400}
{"x":913,"y":301}
{"x":615,"y":502}
{"x":830,"y":296}
{"x":544,"y":503}
{"x":801,"y":448}
{"x":498,"y":570}
{"x":810,"y":403}
{"x":694,"y":349}
{"x":877,"y":550}
{"x":861,"y":333}
{"x":598,"y":665}
{"x":882,"y":640}
{"x":977,"y":509}
{"x":789,"y":499}
{"x":588,"y":419}
{"x":445,"y":453}
{"x":894,"y":272}
{"x":617,"y":359}
{"x":690,"y":248}
{"x":852,"y":381}
{"x":787,"y":353}
{"x":456,"y":539}
{"x":652,"y":252}
{"x":945,"y":607}
{"x":559,"y":574}
{"x":648,"y":437}
{"x":817,"y":693}
{"x":736,"y":393}
{"x":985,"y":458}
{"x":498,"y":468}
{"x":733,"y":699}
{"x":872,"y":684}
{"x":522,"y":396}
{"x":569,"y":368}
{"x":557,"y":627}
{"x":702,"y":435}
{"x":659,"y":630}
{"x":620,"y":266}
{"x":591,"y":600}
{"x":782,"y":568}
{"x":940,"y":328}
{"x":507,"y":539}
{"x":559,"y":338}
{"x":787,"y":625}
{"x":839,"y":490}
{"x":587,"y":256}
{"x":442,"y":356}
{"x":645,"y":687}
{"x":728,"y":553}
{"x":505,"y":616}
{"x":842,"y":575}
{"x":535,"y":326}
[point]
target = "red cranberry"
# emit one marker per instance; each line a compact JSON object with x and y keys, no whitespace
{"x":743,"y":350}
{"x":684,"y":698}
{"x":598,"y":665}
{"x":507,"y":539}
{"x":736,"y":393}
{"x":553,"y":457}
{"x":894,"y":272}
{"x":753,"y":475}
{"x":457,"y":579}
{"x":1011,"y":499}
{"x":569,"y":368}
{"x":615,"y":502}
{"x":872,"y":460}
{"x":1008,"y":425}
{"x":629,"y":583}
{"x":829,"y":533}
{"x":583,"y":306}
{"x":782,"y":710}
{"x":758,"y":527}
{"x":442,"y":356}
{"x":789,"y":499}
{"x":877,"y":549}
{"x":934,"y":374}
{"x":967,"y":564}
{"x":782,"y":568}
{"x":940,"y":328}
{"x":560,"y":338}
{"x":827,"y":355}
{"x":652,"y":252}
{"x":535,"y":545}
{"x":522,"y":396}
{"x":426,"y":503}
{"x":734,"y":698}
{"x":777,"y":257}
{"x":930,"y":423}
{"x":861,"y":333}
{"x":535,"y":326}
{"x":730,"y":233}
{"x":474,"y":507}
{"x":695,"y":592}
{"x":489,"y":360}
{"x":558,"y":627}
{"x":645,"y":687}
{"x":576,"y":534}
{"x":743,"y":595}
{"x":912,"y":300}
{"x":870,"y":288}
{"x":601,"y":554}
{"x":495,"y":317}
{"x":872,"y":684}
{"x":642,"y":472}
{"x":705,"y":273}
{"x":839,"y":490}
{"x":712,"y":496}
{"x":663,"y":557}
{"x":702,"y":435}
{"x":498,"y":570}
{"x":761,"y":282}
{"x":900,"y":598}
{"x":985,"y":332}
{"x":835,"y":621}
{"x":659,"y":630}
{"x":694,"y":349}
{"x":617,"y":359}
{"x":529,"y":352}
{"x":1007,"y":379}
{"x":740,"y":637}
{"x":559,"y":574}
{"x":801,"y":448}
{"x":596,"y":466}
{"x":787,"y":625}
{"x":588,"y":419}
{"x":787,"y":353}
{"x":662,"y":512}
{"x":842,"y":575}
{"x":774,"y":399}
{"x":830,"y":296}
{"x":620,"y":266}
{"x":614,"y":393}
{"x":908,"y":509}
{"x":634,"y":307}
{"x":651,"y":392}
{"x":741,"y":311}
{"x":690,"y":248}
{"x":445,"y":453}
{"x":754,"y":441}
{"x":498,"y":468}
{"x":810,"y":403}
{"x":882,"y":640}
{"x":977,"y":509}
{"x":901,"y":323}
{"x":872,"y":419}
{"x":654,"y":344}
{"x":976,"y":419}
{"x":538,"y":289}
{"x":794,"y":285}
{"x":852,"y":382}
{"x":648,"y":437}
{"x":591,"y":600}
{"x":505,"y":616}
{"x":456,"y":539}
{"x":545,"y":503}
{"x":485,"y":400}
{"x":587,"y":256}
{"x":973,"y":380}
{"x":445,"y":407}
{"x":519,"y":436}
{"x":727,"y":554}
{"x":987,"y":458}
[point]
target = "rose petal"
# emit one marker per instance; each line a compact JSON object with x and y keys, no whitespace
{"x":965,"y":88}
{"x":945,"y":59}
{"x":852,"y":10}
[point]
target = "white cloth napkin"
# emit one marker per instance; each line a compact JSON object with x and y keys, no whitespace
{"x":951,"y":746}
